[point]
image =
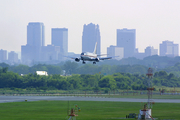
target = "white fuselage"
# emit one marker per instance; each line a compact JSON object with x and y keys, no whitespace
{"x":87,"y":56}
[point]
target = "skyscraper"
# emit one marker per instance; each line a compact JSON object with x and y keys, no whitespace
{"x":35,"y":34}
{"x":35,"y":40}
{"x":60,"y":38}
{"x":126,"y":38}
{"x":91,"y":35}
{"x":168,"y":48}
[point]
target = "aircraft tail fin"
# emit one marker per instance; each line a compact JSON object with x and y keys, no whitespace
{"x":95,"y":49}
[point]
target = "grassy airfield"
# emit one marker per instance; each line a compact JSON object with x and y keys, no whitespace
{"x":90,"y":110}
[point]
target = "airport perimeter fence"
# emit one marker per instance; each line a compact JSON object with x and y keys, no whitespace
{"x":87,"y":93}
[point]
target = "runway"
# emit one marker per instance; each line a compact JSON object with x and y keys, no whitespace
{"x":5,"y":99}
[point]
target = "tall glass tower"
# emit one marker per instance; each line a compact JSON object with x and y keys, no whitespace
{"x":60,"y":38}
{"x":35,"y":34}
{"x":91,"y":35}
{"x":126,"y":38}
{"x":31,"y":52}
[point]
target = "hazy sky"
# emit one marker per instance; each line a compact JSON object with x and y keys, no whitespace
{"x":154,"y":20}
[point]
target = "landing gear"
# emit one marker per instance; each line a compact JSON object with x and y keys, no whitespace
{"x":94,"y":62}
{"x":84,"y":62}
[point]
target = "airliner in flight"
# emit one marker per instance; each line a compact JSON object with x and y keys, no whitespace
{"x":87,"y":56}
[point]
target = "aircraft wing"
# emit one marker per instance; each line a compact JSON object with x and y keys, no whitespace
{"x":107,"y":58}
{"x":102,"y":55}
{"x":71,"y":57}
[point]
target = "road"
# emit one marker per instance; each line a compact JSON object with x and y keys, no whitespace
{"x":4,"y":99}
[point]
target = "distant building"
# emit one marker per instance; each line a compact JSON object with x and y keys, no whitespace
{"x":3,"y":55}
{"x":139,"y":55}
{"x":126,"y":38}
{"x":115,"y":51}
{"x":42,"y":73}
{"x":35,"y":34}
{"x":50,"y":53}
{"x":60,"y":38}
{"x":27,"y":54}
{"x":35,"y":40}
{"x":91,"y":35}
{"x":168,"y":48}
{"x":149,"y":51}
{"x":13,"y":57}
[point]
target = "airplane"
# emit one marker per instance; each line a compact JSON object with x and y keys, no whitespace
{"x":87,"y":56}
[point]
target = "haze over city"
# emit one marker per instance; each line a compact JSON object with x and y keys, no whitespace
{"x":154,"y":21}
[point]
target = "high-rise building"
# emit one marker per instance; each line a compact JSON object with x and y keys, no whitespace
{"x":115,"y":51}
{"x":13,"y":57}
{"x":3,"y":55}
{"x":126,"y":38}
{"x":35,"y":40}
{"x":91,"y":35}
{"x":60,"y":38}
{"x":149,"y":51}
{"x":168,"y":48}
{"x":35,"y":34}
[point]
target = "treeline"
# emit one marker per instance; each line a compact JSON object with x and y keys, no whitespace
{"x":75,"y":68}
{"x":68,"y":68}
{"x":85,"y":81}
{"x":155,"y":61}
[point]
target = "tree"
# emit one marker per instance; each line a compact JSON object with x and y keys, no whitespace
{"x":4,"y":70}
{"x":21,"y":69}
{"x":75,"y":81}
{"x":162,"y":74}
{"x":70,"y":67}
{"x":107,"y":82}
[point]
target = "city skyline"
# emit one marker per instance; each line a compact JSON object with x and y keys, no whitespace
{"x":126,"y":39}
{"x":154,"y":21}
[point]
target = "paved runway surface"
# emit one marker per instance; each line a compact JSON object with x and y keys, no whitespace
{"x":4,"y":99}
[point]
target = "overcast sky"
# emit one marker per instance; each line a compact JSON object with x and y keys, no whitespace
{"x":154,"y":20}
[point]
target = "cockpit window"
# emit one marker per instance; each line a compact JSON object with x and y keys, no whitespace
{"x":82,"y":53}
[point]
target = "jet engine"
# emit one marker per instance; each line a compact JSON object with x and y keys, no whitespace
{"x":77,"y":59}
{"x":97,"y":59}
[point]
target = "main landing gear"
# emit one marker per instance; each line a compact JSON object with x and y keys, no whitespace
{"x":84,"y":62}
{"x":94,"y":62}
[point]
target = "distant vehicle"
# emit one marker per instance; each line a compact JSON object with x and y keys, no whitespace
{"x":87,"y":56}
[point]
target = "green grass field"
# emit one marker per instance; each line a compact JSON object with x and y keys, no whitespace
{"x":57,"y":110}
